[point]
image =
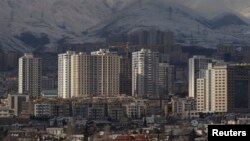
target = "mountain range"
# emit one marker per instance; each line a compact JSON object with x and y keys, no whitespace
{"x":26,"y":25}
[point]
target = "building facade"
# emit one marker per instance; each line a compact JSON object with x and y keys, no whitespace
{"x":29,"y":75}
{"x":238,"y":88}
{"x":16,"y":103}
{"x":126,"y":76}
{"x":201,"y":95}
{"x":48,"y":83}
{"x":145,"y":73}
{"x":136,"y":109}
{"x":95,"y":75}
{"x":219,"y":89}
{"x":184,"y":107}
{"x":212,"y":89}
{"x":196,"y":67}
{"x":64,"y":74}
{"x":42,"y":110}
{"x":224,"y":89}
{"x":166,"y":79}
{"x":82,"y":72}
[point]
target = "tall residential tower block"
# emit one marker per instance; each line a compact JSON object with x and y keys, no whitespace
{"x":29,"y":75}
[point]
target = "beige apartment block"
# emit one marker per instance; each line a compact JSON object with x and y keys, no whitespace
{"x":29,"y":75}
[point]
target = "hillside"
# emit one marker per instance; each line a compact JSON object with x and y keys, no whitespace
{"x":31,"y":24}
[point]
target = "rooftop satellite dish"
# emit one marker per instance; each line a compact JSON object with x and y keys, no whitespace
{"x":194,"y":123}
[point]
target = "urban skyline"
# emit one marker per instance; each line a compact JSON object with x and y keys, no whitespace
{"x":116,"y":70}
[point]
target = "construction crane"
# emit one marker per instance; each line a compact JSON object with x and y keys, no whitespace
{"x":124,"y":46}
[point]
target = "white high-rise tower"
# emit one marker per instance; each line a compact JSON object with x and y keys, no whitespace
{"x":64,"y":74}
{"x":145,"y":70}
{"x":196,"y":67}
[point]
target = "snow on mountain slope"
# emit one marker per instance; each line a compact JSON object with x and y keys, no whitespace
{"x":56,"y":18}
{"x":31,"y":24}
{"x":188,"y":26}
{"x":227,"y":19}
{"x":149,"y":13}
{"x":245,"y":11}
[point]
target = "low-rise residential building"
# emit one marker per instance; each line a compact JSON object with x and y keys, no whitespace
{"x":184,"y":107}
{"x":52,"y":109}
{"x":4,"y":109}
{"x":42,"y":110}
{"x":5,"y":112}
{"x":116,"y":111}
{"x":96,"y":111}
{"x":61,"y":109}
{"x":76,"y":137}
{"x":56,"y":132}
{"x":28,"y":109}
{"x":136,"y":109}
{"x":16,"y":102}
{"x":156,"y":106}
{"x":80,"y":110}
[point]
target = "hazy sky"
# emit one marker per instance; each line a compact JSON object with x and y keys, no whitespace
{"x":211,"y":7}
